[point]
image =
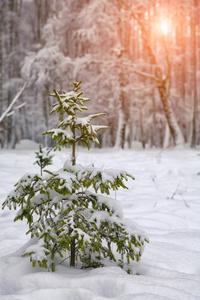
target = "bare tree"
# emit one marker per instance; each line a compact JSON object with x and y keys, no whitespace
{"x":161,"y":80}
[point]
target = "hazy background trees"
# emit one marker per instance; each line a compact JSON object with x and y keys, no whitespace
{"x":122,"y":54}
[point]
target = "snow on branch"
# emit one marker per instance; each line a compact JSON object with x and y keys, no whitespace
{"x":8,"y":110}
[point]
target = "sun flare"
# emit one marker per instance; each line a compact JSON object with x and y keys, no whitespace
{"x":164,"y":26}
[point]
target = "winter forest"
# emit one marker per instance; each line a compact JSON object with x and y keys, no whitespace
{"x":139,"y":62}
{"x":121,"y":222}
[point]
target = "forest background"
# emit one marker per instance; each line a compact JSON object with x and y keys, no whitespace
{"x":139,"y":62}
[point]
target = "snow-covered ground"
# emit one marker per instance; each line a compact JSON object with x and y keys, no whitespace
{"x":164,"y":200}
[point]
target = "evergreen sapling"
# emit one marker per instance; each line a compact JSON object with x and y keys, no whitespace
{"x":68,"y":211}
{"x":43,"y":158}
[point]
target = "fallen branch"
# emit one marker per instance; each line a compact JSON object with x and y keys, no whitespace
{"x":174,"y":193}
{"x":172,"y":197}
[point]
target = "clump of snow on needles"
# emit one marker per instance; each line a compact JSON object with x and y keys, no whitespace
{"x":164,"y":201}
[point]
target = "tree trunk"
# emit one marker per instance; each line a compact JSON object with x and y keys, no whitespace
{"x":1,"y":58}
{"x":174,"y":128}
{"x":73,"y":242}
{"x":2,"y":125}
{"x":73,"y":253}
{"x":122,"y":120}
{"x":142,"y":129}
{"x":124,"y":29}
{"x":118,"y":139}
{"x":161,"y":83}
{"x":194,"y":73}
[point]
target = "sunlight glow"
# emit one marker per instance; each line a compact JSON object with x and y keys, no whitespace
{"x":164,"y":26}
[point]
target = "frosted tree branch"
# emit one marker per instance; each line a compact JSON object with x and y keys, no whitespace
{"x":7,"y":111}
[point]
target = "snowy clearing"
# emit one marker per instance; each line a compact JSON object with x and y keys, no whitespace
{"x":164,"y":200}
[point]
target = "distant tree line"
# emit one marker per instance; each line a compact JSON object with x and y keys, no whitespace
{"x":145,"y":78}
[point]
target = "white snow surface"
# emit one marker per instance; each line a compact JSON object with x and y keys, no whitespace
{"x":164,"y":200}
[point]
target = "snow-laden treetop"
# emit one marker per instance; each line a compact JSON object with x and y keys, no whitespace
{"x":73,"y":129}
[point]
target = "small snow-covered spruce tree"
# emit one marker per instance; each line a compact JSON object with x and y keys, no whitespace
{"x":67,"y":211}
{"x":43,"y":158}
